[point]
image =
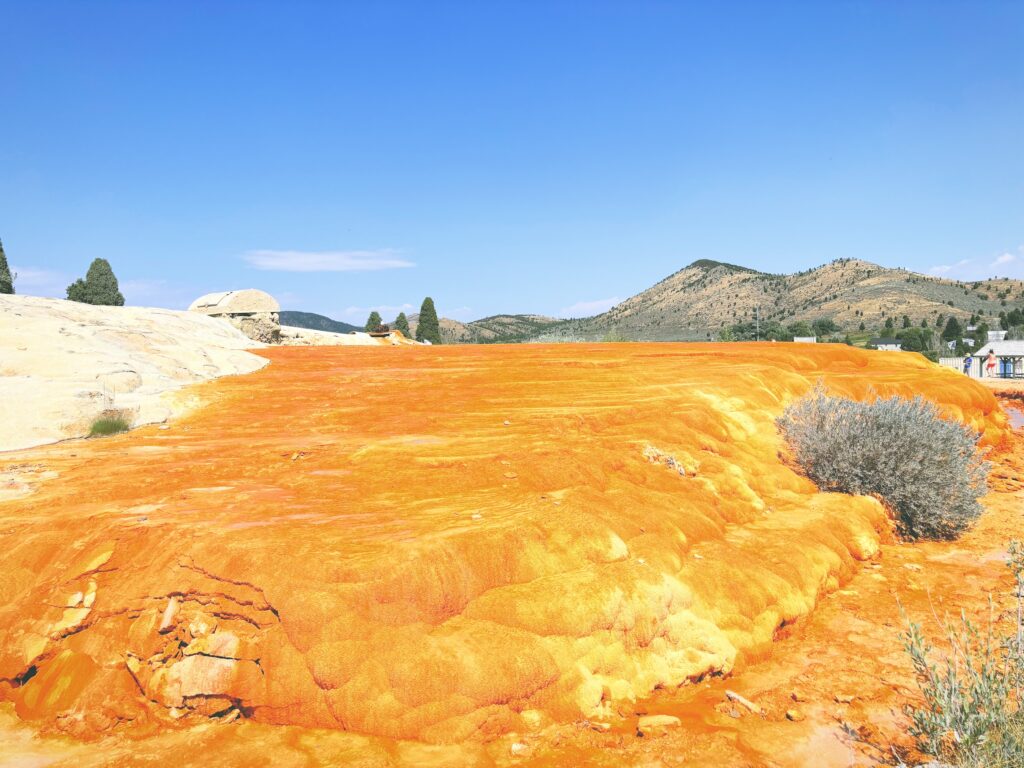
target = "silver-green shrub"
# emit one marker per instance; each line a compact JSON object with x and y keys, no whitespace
{"x":927,"y":469}
{"x":971,"y":713}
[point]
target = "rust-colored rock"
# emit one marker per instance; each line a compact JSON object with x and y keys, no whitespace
{"x":472,"y":534}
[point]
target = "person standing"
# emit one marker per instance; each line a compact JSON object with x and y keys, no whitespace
{"x":990,"y":364}
{"x":967,"y":365}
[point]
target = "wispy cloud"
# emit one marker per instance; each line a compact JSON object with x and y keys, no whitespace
{"x":588,"y":308}
{"x":36,"y":281}
{"x":943,"y":269}
{"x":326,"y":261}
{"x":157,"y":292}
{"x":1007,"y":264}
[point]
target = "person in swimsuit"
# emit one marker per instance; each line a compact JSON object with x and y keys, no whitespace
{"x":990,"y":364}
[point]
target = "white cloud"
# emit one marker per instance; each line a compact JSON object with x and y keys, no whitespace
{"x":943,"y":269}
{"x":1009,"y":264}
{"x":40,"y":282}
{"x":325,"y":261}
{"x":588,"y":308}
{"x":138,"y":290}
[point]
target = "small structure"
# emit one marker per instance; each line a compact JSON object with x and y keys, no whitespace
{"x":806,"y":339}
{"x":1009,"y":359}
{"x":255,"y":313}
{"x":886,"y":345}
{"x":997,"y":336}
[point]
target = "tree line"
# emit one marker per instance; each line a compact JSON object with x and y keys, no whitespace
{"x":427,"y":329}
{"x":98,"y":287}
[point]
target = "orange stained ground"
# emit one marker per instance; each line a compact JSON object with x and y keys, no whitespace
{"x":468,"y":556}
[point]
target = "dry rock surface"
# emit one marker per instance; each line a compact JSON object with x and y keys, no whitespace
{"x":63,"y":364}
{"x":458,"y":556}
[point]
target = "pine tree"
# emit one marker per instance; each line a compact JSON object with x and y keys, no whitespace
{"x":6,"y":278}
{"x":374,"y":322}
{"x":428,"y":328}
{"x":952,"y":331}
{"x":402,"y":324}
{"x":98,"y":287}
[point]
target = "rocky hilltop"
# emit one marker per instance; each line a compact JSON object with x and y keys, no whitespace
{"x":698,"y":301}
{"x":496,"y":329}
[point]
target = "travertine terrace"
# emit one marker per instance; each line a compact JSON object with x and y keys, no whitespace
{"x":433,"y":548}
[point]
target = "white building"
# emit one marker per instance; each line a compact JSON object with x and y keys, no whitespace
{"x":886,"y":345}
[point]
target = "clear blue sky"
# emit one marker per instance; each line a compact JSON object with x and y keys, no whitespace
{"x":542,"y":157}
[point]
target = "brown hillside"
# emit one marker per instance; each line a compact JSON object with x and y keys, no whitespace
{"x":698,"y":301}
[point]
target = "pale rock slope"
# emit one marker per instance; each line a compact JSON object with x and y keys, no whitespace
{"x":62,"y":364}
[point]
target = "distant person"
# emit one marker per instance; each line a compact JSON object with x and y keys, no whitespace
{"x":967,"y":365}
{"x":990,"y":364}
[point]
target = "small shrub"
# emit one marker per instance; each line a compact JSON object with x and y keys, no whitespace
{"x":109,"y":425}
{"x":971,"y":715}
{"x":927,"y":469}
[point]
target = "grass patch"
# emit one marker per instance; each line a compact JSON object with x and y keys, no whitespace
{"x":109,"y":425}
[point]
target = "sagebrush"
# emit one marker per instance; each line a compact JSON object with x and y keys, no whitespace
{"x":971,"y":714}
{"x":929,"y":470}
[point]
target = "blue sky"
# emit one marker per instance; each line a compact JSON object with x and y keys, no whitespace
{"x":546,"y":157}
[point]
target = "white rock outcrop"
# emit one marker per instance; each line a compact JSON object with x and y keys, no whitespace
{"x":62,"y":364}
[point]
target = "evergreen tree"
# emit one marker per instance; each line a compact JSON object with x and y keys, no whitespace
{"x":402,"y":324}
{"x":428,"y":328}
{"x":373,"y":322}
{"x":906,"y":321}
{"x":888,"y":324}
{"x":924,"y":322}
{"x":952,"y":331}
{"x":6,"y":278}
{"x":981,"y":334}
{"x":98,"y":287}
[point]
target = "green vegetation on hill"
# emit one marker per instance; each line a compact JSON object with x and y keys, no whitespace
{"x":316,"y":322}
{"x":712,"y":264}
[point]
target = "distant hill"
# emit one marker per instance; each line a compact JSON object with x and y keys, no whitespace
{"x":698,"y":301}
{"x":497,"y":329}
{"x":316,"y":322}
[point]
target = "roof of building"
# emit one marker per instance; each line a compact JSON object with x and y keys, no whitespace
{"x":886,"y":342}
{"x":244,"y":302}
{"x":1014,"y":348}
